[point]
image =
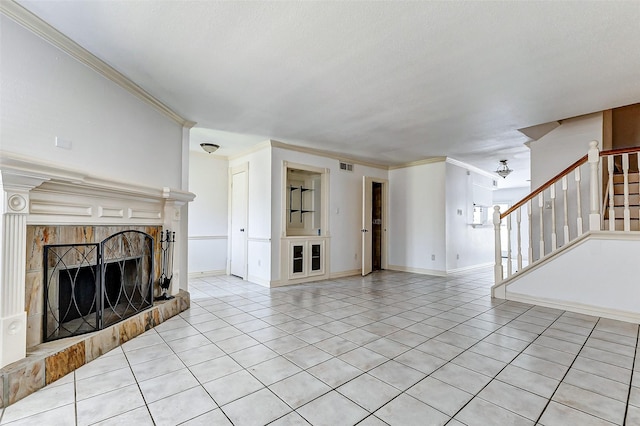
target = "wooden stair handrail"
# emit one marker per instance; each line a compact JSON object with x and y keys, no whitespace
{"x":563,"y":173}
{"x":544,"y":186}
{"x":619,"y":151}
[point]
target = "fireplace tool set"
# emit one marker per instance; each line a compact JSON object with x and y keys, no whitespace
{"x":167,"y":239}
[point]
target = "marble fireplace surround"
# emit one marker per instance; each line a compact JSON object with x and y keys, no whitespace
{"x":39,"y":199}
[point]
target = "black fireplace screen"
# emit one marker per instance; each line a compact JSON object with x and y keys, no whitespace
{"x":91,"y":286}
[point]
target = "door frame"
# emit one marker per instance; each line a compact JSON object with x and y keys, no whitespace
{"x":243,"y":168}
{"x":367,"y":190}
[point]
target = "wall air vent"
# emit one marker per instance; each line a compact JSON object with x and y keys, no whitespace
{"x":347,"y":167}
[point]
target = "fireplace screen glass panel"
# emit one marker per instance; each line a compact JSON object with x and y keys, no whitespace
{"x":91,"y":286}
{"x":72,"y":277}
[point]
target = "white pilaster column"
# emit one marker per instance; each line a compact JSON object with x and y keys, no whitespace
{"x":175,"y":221}
{"x":13,"y":317}
{"x":15,"y":187}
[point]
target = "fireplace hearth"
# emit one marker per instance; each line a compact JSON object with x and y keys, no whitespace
{"x":91,"y":286}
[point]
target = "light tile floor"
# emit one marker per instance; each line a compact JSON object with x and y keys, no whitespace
{"x":391,"y":348}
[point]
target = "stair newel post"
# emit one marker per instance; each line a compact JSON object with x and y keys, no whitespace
{"x":594,"y":198}
{"x":497,"y":269}
{"x":554,"y":233}
{"x":612,"y":211}
{"x":627,"y":212}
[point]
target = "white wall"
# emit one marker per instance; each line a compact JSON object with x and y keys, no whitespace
{"x":259,"y":254}
{"x":467,"y":246}
{"x":208,"y":213}
{"x":417,"y":218}
{"x":598,"y":273}
{"x":564,"y":145}
{"x":345,"y":208}
{"x":47,"y":94}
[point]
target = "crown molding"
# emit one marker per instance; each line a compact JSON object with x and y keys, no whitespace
{"x":471,"y":168}
{"x":326,"y":154}
{"x":45,"y":31}
{"x":430,"y":160}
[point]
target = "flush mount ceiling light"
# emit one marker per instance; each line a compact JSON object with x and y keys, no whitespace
{"x":209,"y":147}
{"x":503,"y":169}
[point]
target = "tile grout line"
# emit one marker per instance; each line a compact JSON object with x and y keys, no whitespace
{"x":509,"y":363}
{"x":633,"y":366}
{"x":565,"y":375}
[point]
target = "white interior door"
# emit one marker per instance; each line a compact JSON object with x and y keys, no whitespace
{"x":238,"y":257}
{"x":367,"y":184}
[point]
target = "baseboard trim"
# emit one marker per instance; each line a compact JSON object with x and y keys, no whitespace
{"x":470,"y":268}
{"x":581,"y":308}
{"x":259,"y":281}
{"x":437,"y":273}
{"x":207,"y":273}
{"x":344,"y":274}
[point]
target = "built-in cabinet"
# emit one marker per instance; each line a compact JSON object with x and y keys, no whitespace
{"x":305,"y":235}
{"x":306,"y":258}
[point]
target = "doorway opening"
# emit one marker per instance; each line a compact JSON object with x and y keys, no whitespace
{"x":374,"y":217}
{"x":376,"y":226}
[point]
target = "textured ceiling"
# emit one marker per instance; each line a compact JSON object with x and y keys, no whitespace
{"x":389,"y":82}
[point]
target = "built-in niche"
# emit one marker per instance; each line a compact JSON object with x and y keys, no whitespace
{"x":304,"y":202}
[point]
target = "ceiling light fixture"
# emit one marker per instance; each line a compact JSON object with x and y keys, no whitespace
{"x":503,"y":170}
{"x":209,"y":147}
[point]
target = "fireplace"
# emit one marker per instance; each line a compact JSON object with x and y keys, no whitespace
{"x":91,"y":286}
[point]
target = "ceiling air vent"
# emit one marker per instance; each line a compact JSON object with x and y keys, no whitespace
{"x":346,"y":167}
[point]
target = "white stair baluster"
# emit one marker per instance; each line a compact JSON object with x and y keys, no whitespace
{"x":627,"y":212}
{"x":530,"y":214}
{"x":509,"y":268}
{"x":541,"y":208}
{"x":579,"y":201}
{"x":519,"y":238}
{"x":566,"y":209}
{"x":554,"y":235}
{"x":612,"y":212}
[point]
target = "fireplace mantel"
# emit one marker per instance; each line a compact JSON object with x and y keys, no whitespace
{"x":39,"y":193}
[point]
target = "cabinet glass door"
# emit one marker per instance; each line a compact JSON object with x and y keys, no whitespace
{"x":316,"y":260}
{"x":298,"y":259}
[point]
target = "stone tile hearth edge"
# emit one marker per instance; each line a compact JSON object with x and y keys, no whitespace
{"x":50,"y":361}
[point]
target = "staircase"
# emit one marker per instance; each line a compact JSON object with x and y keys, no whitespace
{"x":574,"y":242}
{"x":617,"y":204}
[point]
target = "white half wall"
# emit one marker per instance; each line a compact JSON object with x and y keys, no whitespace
{"x":47,"y":94}
{"x":600,"y":272}
{"x":208,"y":213}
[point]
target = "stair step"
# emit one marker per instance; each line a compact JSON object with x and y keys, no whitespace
{"x":634,"y":225}
{"x":634,"y":188}
{"x":634,"y":200}
{"x":634,"y":212}
{"x":633,"y":178}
